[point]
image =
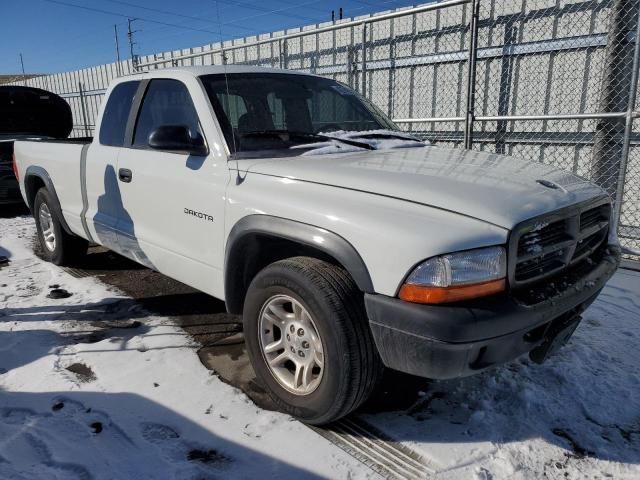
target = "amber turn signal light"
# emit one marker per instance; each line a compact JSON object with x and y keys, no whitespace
{"x":436,"y":295}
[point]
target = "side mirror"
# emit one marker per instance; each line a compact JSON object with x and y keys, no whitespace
{"x":177,"y":138}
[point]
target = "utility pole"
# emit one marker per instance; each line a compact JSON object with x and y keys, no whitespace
{"x":134,"y":58}
{"x":115,"y":31}
{"x":24,"y":77}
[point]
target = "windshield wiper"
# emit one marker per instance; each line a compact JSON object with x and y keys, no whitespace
{"x":386,"y":135}
{"x":285,"y":135}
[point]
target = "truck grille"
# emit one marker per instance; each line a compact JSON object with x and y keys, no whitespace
{"x":546,"y":245}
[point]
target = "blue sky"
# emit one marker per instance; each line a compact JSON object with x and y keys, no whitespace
{"x":55,"y":36}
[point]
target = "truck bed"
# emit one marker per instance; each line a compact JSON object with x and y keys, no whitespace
{"x":60,"y":159}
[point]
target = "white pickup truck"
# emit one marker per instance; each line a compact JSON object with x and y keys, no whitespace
{"x":346,"y":244}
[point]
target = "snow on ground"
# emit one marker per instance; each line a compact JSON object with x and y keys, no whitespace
{"x":92,"y":387}
{"x":575,"y":416}
{"x":92,"y":390}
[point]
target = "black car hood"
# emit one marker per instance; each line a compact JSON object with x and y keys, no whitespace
{"x":26,"y":111}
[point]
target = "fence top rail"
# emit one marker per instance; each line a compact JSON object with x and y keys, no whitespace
{"x":518,"y":118}
{"x":301,"y":33}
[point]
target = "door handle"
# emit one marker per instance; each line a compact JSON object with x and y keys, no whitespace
{"x":125,"y":175}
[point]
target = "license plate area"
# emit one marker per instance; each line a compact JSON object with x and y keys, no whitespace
{"x":555,"y":336}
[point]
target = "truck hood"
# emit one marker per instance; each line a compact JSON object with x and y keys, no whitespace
{"x":498,"y":189}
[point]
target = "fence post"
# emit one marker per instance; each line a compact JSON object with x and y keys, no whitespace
{"x":364,"y":60}
{"x":471,"y":75}
{"x":84,"y":110}
{"x":633,"y":88}
{"x":609,"y":140}
{"x":350,"y":65}
{"x":506,"y":79}
{"x":285,"y":53}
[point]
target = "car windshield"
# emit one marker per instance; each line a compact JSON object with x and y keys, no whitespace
{"x":290,"y":113}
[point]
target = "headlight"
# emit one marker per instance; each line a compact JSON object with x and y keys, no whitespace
{"x":457,"y":276}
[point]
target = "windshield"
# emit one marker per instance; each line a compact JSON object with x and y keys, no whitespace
{"x":275,"y":111}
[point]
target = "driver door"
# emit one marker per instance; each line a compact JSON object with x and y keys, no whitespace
{"x":174,"y":201}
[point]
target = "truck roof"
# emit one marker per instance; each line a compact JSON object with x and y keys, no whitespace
{"x":184,"y":72}
{"x":219,"y":69}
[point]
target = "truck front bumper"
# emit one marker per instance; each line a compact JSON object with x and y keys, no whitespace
{"x":455,"y":340}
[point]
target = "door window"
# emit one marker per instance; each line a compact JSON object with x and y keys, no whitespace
{"x":166,"y":102}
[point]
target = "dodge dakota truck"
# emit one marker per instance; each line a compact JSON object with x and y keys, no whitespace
{"x":346,"y":244}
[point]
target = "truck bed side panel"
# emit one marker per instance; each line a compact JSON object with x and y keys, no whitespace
{"x":61,"y":161}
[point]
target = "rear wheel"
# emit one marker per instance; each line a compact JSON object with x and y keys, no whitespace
{"x":58,"y":246}
{"x":308,"y":339}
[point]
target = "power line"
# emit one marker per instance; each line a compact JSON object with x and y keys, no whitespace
{"x":267,"y":11}
{"x":189,"y":18}
{"x":228,"y":24}
{"x":264,"y":11}
{"x":142,"y":19}
{"x":317,"y":9}
{"x":230,"y":2}
{"x":249,"y":17}
{"x":200,"y":19}
{"x":158,"y":22}
{"x":348,"y":12}
{"x":163,"y":12}
{"x":72,"y":45}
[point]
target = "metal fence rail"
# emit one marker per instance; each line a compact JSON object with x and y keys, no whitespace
{"x":552,"y":81}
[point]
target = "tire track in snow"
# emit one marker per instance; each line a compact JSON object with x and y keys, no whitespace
{"x":376,"y":450}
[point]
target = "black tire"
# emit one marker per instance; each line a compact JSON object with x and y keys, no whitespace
{"x":352,"y":367}
{"x":68,"y":248}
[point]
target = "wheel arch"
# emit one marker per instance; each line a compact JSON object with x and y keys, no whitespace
{"x":36,"y":178}
{"x":258,"y":240}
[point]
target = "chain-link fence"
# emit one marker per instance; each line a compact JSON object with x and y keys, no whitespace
{"x":552,"y":81}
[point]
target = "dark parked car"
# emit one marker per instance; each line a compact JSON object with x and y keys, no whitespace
{"x":27,"y":112}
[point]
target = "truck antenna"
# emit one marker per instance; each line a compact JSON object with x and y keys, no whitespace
{"x":239,"y":178}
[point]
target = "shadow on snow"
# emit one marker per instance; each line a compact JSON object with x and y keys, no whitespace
{"x":86,"y":435}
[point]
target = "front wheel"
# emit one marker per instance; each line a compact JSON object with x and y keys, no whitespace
{"x":58,"y":246}
{"x":308,"y":339}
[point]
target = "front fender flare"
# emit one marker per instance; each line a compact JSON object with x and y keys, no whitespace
{"x":318,"y":238}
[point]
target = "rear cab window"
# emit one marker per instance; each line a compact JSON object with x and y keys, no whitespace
{"x":116,"y":114}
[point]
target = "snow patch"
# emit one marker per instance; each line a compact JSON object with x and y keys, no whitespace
{"x":334,"y":146}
